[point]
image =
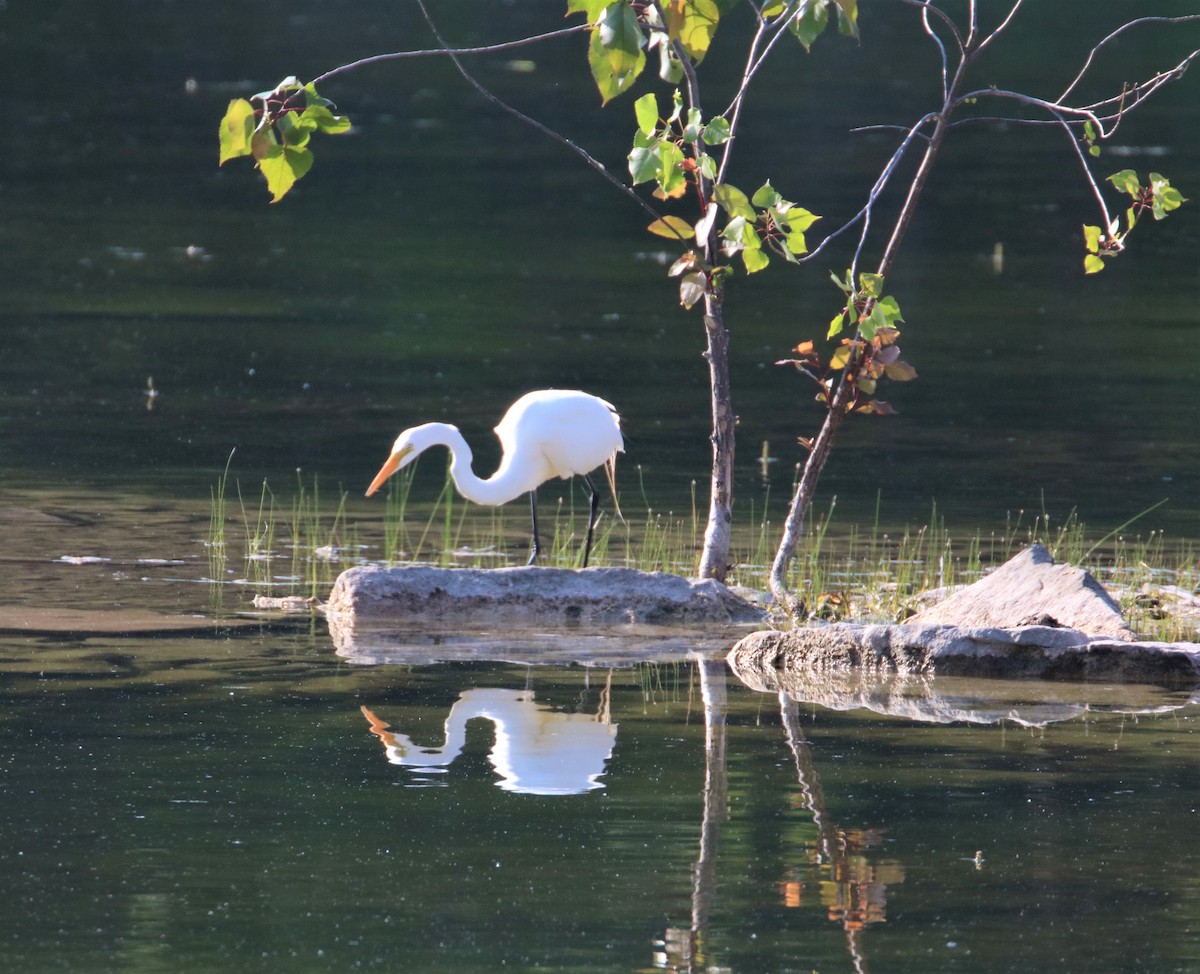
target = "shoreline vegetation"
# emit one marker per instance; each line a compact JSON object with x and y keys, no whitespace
{"x":298,"y":544}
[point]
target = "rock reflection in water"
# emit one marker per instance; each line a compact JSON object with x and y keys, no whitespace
{"x":949,"y":699}
{"x":537,"y":751}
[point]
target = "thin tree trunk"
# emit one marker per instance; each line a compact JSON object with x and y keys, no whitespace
{"x":714,"y":559}
{"x":806,"y":489}
{"x":793,"y":527}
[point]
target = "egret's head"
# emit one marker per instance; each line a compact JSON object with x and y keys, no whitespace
{"x":404,"y":452}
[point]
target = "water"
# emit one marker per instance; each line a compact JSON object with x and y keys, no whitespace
{"x":186,"y":786}
{"x":387,"y":290}
{"x":184,"y":805}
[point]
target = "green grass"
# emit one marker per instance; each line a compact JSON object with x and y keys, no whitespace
{"x":841,"y":572}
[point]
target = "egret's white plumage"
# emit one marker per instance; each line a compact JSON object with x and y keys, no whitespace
{"x":545,"y":434}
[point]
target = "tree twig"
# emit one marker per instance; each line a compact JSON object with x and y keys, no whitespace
{"x":1087,"y":64}
{"x":558,"y":137}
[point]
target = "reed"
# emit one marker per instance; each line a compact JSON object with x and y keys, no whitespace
{"x":848,"y":572}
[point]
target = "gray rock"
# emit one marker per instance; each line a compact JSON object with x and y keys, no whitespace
{"x":1031,"y":590}
{"x":920,"y":650}
{"x":374,"y":596}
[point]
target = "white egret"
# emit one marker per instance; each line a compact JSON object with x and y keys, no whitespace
{"x":545,"y":434}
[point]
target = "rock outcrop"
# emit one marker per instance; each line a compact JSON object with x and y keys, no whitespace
{"x":374,"y":596}
{"x":1030,"y":618}
{"x":1030,"y":589}
{"x":1028,"y":652}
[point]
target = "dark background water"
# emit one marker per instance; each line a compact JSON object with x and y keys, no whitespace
{"x":443,"y":259}
{"x":217,"y":799}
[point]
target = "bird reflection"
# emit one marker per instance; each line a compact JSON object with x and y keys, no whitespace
{"x":537,"y":751}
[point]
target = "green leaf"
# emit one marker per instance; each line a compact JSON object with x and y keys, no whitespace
{"x":646,"y":109}
{"x":282,"y":166}
{"x":733,"y":201}
{"x":672,"y":180}
{"x":262,"y":142}
{"x":840,"y":358}
{"x":676,"y":106}
{"x":323,"y":120}
{"x":1091,"y":239}
{"x":672,"y":227}
{"x":798,"y":218}
{"x":1092,"y":264}
{"x":643,"y":164}
{"x":670,"y":68}
{"x":871,"y":284}
{"x":312,"y":98}
{"x":836,"y":325}
{"x":734,"y":235}
{"x":876,"y":319}
{"x":716,"y":132}
{"x":237,"y":127}
{"x":813,"y":19}
{"x":866,"y":385}
{"x":754,"y":259}
{"x":1166,"y":197}
{"x":615,"y":51}
{"x":294,"y":129}
{"x":692,"y":23}
{"x":795,"y":243}
{"x":842,"y":283}
{"x":890,"y":309}
{"x":766,"y":196}
{"x":848,"y":17}
{"x":691,"y":289}
{"x":1126,"y":181}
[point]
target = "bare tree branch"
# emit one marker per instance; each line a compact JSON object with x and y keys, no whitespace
{"x":587,"y":157}
{"x":443,"y":52}
{"x":994,"y":34}
{"x":1115,"y":34}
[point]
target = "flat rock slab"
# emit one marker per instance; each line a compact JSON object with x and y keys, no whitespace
{"x":1030,"y":589}
{"x":1043,"y":652}
{"x":376,"y":597}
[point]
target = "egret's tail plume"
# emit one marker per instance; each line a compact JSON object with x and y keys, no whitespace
{"x":610,"y":474}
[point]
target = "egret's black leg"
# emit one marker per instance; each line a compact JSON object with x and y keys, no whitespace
{"x":535,"y":546}
{"x":593,"y":507}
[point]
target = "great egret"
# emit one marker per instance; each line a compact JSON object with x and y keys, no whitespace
{"x":545,"y":434}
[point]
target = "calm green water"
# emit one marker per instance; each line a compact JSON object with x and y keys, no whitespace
{"x":196,"y":805}
{"x":220,"y":801}
{"x":441,"y":261}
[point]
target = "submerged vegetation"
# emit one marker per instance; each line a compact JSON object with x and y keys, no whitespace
{"x":842,"y":572}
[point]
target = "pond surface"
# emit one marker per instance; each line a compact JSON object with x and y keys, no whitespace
{"x":187,"y":786}
{"x":254,"y":802}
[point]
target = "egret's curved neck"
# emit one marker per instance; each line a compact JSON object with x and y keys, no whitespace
{"x":506,"y":484}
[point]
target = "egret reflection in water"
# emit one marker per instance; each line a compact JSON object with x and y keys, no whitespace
{"x":537,"y":751}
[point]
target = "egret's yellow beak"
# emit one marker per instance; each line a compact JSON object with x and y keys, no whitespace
{"x":394,"y":463}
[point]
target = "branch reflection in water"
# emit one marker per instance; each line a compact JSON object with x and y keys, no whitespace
{"x":852,"y":889}
{"x":536,"y":751}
